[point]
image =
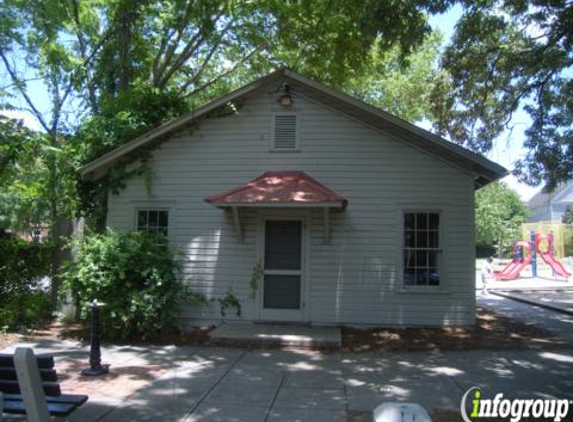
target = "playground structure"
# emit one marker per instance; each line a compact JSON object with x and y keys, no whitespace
{"x":526,"y":252}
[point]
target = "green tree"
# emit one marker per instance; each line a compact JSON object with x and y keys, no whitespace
{"x":23,"y":202}
{"x":568,"y":215}
{"x":86,"y":54}
{"x":507,"y":56}
{"x":400,"y":85}
{"x":499,"y":213}
{"x":119,"y":120}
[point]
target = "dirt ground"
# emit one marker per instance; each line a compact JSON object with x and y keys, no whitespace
{"x":492,"y":332}
{"x":8,"y":339}
{"x":76,"y":332}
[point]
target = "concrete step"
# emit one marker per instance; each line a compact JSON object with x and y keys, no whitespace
{"x":237,"y":334}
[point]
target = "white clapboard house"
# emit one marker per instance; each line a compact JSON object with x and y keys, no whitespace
{"x":349,"y":215}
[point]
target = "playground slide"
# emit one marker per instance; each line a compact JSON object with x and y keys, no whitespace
{"x":513,"y":269}
{"x":555,"y":265}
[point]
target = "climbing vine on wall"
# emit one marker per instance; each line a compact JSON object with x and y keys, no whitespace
{"x":256,"y":276}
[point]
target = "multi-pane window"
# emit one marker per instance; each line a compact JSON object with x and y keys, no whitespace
{"x":155,"y":222}
{"x":421,"y":248}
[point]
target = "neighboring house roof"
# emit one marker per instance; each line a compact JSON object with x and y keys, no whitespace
{"x":546,"y":195}
{"x":291,"y":188}
{"x":483,"y":170}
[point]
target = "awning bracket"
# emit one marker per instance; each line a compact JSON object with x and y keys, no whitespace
{"x":326,"y":225}
{"x":237,"y":223}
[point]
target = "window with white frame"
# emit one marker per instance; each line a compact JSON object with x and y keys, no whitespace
{"x":153,"y":221}
{"x":285,"y":132}
{"x":422,"y":248}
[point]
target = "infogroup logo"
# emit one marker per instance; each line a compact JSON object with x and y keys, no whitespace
{"x":514,"y":410}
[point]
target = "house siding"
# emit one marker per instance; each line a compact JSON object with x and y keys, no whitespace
{"x":356,"y":278}
{"x":550,"y":212}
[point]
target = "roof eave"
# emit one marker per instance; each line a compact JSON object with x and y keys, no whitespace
{"x":336,"y":204}
{"x":99,"y":165}
{"x":483,"y":169}
{"x":486,"y":169}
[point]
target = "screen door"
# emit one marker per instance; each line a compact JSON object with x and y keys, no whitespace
{"x":282,"y":277}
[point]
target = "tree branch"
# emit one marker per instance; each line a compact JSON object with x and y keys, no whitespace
{"x":22,"y":91}
{"x":187,"y":52}
{"x":222,"y":75}
{"x":83,"y":51}
{"x":171,"y":50}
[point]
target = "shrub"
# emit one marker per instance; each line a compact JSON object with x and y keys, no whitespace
{"x":485,"y":251}
{"x":23,"y":268}
{"x":23,"y":265}
{"x":136,"y":279}
{"x":25,"y":310}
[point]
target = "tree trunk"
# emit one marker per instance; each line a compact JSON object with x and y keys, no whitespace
{"x":62,"y":228}
{"x":100,"y":223}
{"x":125,"y":20}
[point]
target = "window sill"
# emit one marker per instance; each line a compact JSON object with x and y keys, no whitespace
{"x":423,"y":291}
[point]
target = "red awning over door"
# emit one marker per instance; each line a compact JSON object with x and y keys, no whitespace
{"x":280,"y":188}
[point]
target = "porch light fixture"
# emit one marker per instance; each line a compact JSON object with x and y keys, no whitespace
{"x":285,"y":99}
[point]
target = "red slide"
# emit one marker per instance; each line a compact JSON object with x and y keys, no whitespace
{"x":555,"y":265}
{"x":512,"y":270}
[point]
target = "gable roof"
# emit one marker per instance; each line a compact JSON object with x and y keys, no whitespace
{"x":547,"y":195}
{"x":483,"y":170}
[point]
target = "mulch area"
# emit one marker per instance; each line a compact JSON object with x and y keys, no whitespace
{"x":492,"y":332}
{"x":77,"y":332}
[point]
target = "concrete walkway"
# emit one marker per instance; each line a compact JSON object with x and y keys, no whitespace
{"x":559,"y":323}
{"x":254,"y":334}
{"x":221,"y":384}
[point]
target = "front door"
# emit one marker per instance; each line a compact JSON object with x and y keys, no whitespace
{"x":282,"y":270}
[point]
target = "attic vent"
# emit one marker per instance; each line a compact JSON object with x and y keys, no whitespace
{"x":285,"y":132}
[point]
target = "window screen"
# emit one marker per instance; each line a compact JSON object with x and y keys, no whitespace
{"x":283,"y":245}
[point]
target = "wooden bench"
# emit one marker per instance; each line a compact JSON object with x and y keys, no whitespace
{"x":29,"y":385}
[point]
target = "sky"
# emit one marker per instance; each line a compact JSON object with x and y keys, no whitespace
{"x":509,"y":147}
{"x":507,"y":150}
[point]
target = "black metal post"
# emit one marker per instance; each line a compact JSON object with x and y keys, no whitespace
{"x":96,"y":368}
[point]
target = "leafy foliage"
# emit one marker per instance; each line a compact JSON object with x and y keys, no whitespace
{"x":23,"y":265}
{"x":400,"y":85}
{"x":23,"y":201}
{"x":134,"y":277}
{"x":568,"y":215}
{"x":120,"y":119}
{"x":499,"y":214}
{"x":229,"y":301}
{"x":506,"y":56}
{"x":25,"y":311}
{"x":256,"y":277}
